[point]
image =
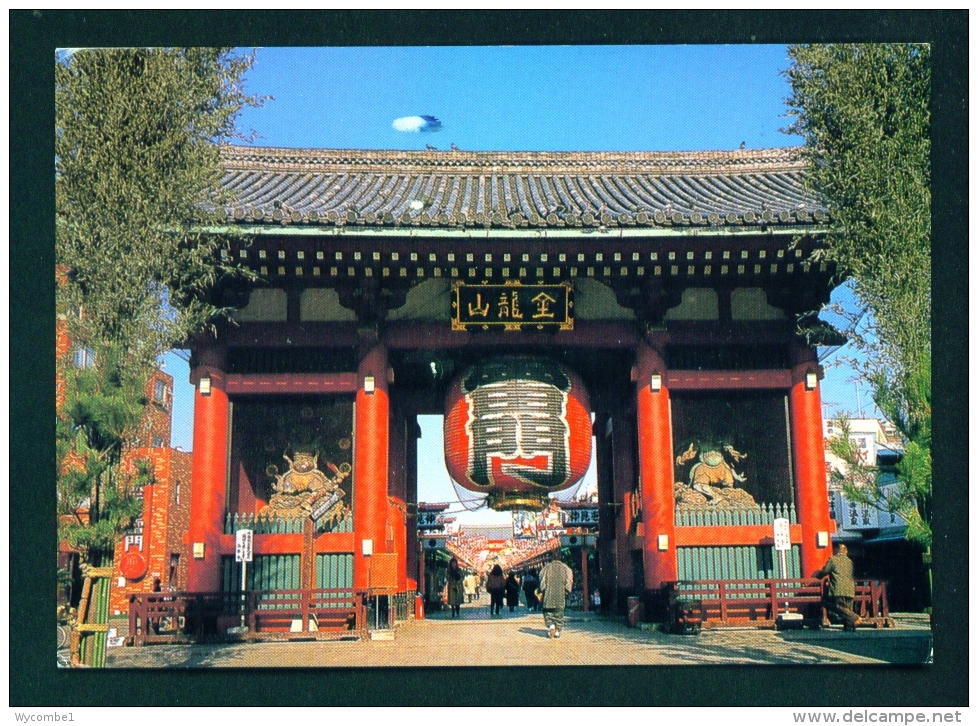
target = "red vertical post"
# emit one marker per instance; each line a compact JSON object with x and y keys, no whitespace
{"x":421,"y":572}
{"x":209,"y":479}
{"x":655,"y":469}
{"x":808,"y":456}
{"x":370,"y":461}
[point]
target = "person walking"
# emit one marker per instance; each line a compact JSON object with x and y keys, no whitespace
{"x":842,"y":586}
{"x":530,"y":583}
{"x":512,"y":591}
{"x":470,"y":582}
{"x":456,"y":587}
{"x":556,"y":580}
{"x":496,"y":587}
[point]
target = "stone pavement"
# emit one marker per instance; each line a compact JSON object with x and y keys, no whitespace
{"x":520,"y":639}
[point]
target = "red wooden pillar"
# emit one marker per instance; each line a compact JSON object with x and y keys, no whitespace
{"x":808,"y":456}
{"x":655,"y":469}
{"x":370,"y":459}
{"x":208,"y":497}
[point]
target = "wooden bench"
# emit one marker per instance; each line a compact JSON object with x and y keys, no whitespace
{"x":759,"y":602}
{"x":201,"y":617}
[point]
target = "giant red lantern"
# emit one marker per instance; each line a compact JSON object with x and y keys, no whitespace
{"x":516,"y":429}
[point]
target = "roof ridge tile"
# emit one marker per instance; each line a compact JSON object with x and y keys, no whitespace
{"x":647,"y":188}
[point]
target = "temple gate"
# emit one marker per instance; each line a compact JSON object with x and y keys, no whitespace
{"x":681,"y":288}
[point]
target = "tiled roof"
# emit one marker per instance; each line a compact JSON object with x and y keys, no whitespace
{"x":519,"y":189}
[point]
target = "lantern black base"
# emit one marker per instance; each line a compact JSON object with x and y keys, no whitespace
{"x":510,"y":501}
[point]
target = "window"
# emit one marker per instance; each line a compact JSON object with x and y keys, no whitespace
{"x":84,"y":358}
{"x":157,"y":442}
{"x":161,"y":393}
{"x":176,"y":492}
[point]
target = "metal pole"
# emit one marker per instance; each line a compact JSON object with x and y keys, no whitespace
{"x":784,"y":571}
{"x":587,"y":596}
{"x":244,"y":570}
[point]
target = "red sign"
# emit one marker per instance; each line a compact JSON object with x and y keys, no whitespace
{"x":133,"y":565}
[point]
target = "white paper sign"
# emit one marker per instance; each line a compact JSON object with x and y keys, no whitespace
{"x":782,"y":535}
{"x":243,"y":545}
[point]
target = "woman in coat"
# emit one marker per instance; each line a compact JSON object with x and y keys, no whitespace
{"x":456,"y":587}
{"x":496,"y":586}
{"x":512,"y":591}
{"x":470,"y":583}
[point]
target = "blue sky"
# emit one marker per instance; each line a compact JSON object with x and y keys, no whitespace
{"x":536,"y":98}
{"x":529,"y":98}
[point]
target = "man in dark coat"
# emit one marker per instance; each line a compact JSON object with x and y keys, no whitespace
{"x":512,"y":591}
{"x":530,"y":583}
{"x":842,"y":586}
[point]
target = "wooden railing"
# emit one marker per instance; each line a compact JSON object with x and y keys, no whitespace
{"x":277,"y":524}
{"x":759,"y":602}
{"x":705,"y":515}
{"x":214,"y":617}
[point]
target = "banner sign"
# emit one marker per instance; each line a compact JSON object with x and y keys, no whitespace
{"x":554,"y":519}
{"x":512,"y":306}
{"x":782,"y":535}
{"x":430,"y":520}
{"x":582,"y":516}
{"x":243,"y":545}
{"x":325,"y":506}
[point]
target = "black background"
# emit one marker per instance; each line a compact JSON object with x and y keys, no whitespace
{"x":263,"y":428}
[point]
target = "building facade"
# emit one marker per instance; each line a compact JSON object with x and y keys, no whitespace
{"x":154,"y":551}
{"x":876,"y":537}
{"x":678,"y":287}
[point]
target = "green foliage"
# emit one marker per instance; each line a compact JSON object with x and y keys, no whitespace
{"x":137,"y":175}
{"x":864,"y":112}
{"x":103,"y":406}
{"x":137,"y":172}
{"x":908,"y":490}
